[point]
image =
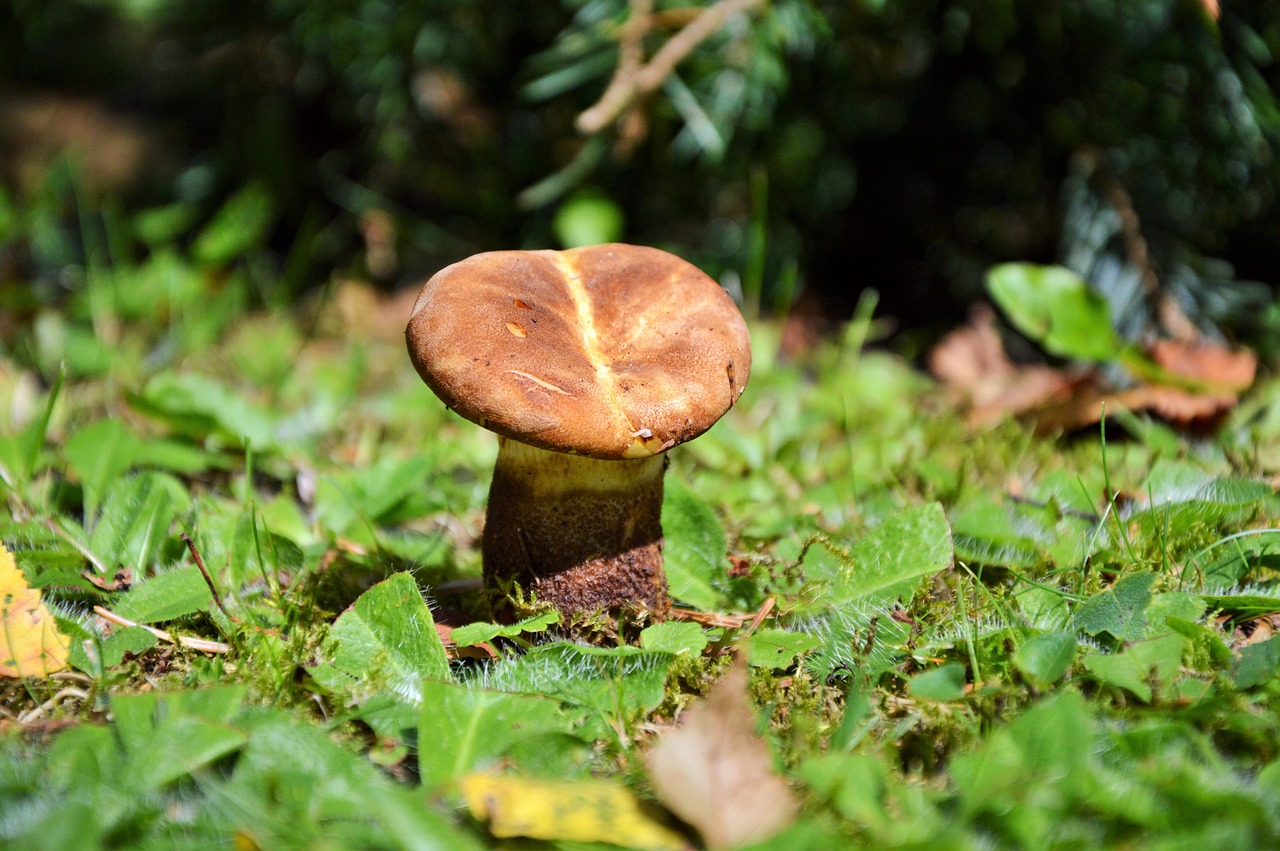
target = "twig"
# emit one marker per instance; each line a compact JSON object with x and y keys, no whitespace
{"x":621,"y":89}
{"x":709,"y":618}
{"x":632,"y":80}
{"x":203,"y":645}
{"x":217,"y":598}
{"x":73,"y":676}
{"x":765,"y":608}
{"x":36,"y":712}
{"x":731,"y":638}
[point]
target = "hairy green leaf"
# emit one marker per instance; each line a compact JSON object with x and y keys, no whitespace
{"x":463,"y":729}
{"x":386,"y":641}
{"x":1120,"y":610}
{"x":166,"y":596}
{"x":695,"y":550}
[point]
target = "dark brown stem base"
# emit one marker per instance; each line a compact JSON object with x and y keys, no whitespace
{"x":581,"y":534}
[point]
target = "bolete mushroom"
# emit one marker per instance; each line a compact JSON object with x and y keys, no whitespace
{"x":589,"y":364}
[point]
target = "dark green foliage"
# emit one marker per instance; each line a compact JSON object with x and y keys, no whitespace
{"x":832,"y":146}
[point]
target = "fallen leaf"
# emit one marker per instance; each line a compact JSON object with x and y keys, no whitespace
{"x":1220,"y":369}
{"x":1202,"y":381}
{"x":564,"y":810}
{"x":1254,"y":631}
{"x":121,"y":581}
{"x":716,"y":774}
{"x":30,"y":643}
{"x":972,"y":362}
{"x":1176,"y":406}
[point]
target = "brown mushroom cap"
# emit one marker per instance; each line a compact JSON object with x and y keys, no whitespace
{"x":609,"y":351}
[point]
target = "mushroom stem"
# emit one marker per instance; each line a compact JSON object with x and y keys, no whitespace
{"x":580,"y":533}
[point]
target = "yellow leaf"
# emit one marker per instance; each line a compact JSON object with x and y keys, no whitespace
{"x":30,"y":643}
{"x":571,"y":810}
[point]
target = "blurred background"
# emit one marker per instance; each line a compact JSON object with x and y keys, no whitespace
{"x":228,"y":155}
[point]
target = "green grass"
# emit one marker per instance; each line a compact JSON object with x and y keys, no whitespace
{"x":977,"y":640}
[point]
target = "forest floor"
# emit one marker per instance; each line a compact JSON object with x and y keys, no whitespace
{"x":895,"y":627}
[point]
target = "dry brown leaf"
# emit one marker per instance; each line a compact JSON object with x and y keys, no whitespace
{"x":1217,"y":366}
{"x":716,"y":774}
{"x":971,"y":360}
{"x":971,"y":355}
{"x":112,"y":149}
{"x":1254,"y":631}
{"x":1178,"y":407}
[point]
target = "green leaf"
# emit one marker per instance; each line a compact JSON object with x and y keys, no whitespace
{"x":159,"y":226}
{"x":778,"y":648}
{"x":20,"y":454}
{"x":1235,"y":556}
{"x":617,"y":684}
{"x":890,"y":560}
{"x":136,"y":514}
{"x":294,"y":787}
{"x":480,"y":632}
{"x":1045,"y":658}
{"x":1120,"y":610}
{"x":1174,"y":604}
{"x":853,"y":783}
{"x":98,"y":454}
{"x":1045,"y":751}
{"x":674,"y":637}
{"x":695,"y":551}
{"x":166,"y":737}
{"x":238,"y":227}
{"x":122,"y":640}
{"x":463,"y":729}
{"x":588,"y":217}
{"x":992,"y":534}
{"x":166,"y":596}
{"x":1056,"y":308}
{"x":386,"y":641}
{"x":1171,"y":482}
{"x":376,"y":493}
{"x":1244,"y":605}
{"x":943,"y":683}
{"x":1204,"y":641}
{"x":196,"y":405}
{"x":1257,"y":664}
{"x":1134,"y":668}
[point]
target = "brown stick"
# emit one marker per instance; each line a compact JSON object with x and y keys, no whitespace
{"x":621,"y":89}
{"x":201,"y":644}
{"x":217,"y":598}
{"x":632,"y":80}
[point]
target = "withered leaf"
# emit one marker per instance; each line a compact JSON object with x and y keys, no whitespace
{"x":1221,"y":369}
{"x":716,"y":774}
{"x":971,"y":361}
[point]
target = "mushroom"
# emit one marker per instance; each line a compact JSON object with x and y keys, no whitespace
{"x":589,"y":364}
